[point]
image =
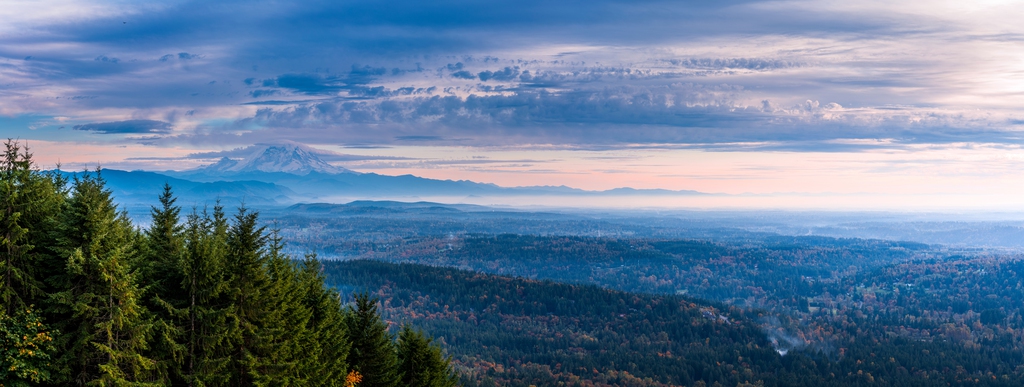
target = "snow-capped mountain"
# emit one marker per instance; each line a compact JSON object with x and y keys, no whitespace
{"x":296,"y":159}
{"x":300,"y":173}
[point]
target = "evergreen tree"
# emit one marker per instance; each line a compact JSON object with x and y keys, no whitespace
{"x":205,"y":327}
{"x":29,"y":207}
{"x":51,"y":193}
{"x":165,"y":247}
{"x":246,"y":268}
{"x":166,"y":299}
{"x":284,"y":328}
{"x":104,"y":332}
{"x":204,"y":303}
{"x":327,"y":347}
{"x":373,"y":351}
{"x":18,"y":284}
{"x":421,"y":362}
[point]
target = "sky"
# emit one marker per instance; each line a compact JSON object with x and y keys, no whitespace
{"x":868,"y":101}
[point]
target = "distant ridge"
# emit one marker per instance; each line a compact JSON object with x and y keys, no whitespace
{"x":391,"y":205}
{"x":301,"y":169}
{"x":135,"y":187}
{"x":292,"y":158}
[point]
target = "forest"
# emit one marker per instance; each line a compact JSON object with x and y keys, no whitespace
{"x":204,"y":299}
{"x":940,"y":309}
{"x":512,"y":331}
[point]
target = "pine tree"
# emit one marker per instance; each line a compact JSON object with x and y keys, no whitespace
{"x":17,"y":281}
{"x":165,"y":297}
{"x":52,"y":194}
{"x":205,"y":328}
{"x":29,"y":206}
{"x":284,"y":328}
{"x":421,"y":362}
{"x":165,"y":246}
{"x":327,"y":347}
{"x":221,"y":303}
{"x":373,"y":351}
{"x":105,"y":332}
{"x":246,"y":268}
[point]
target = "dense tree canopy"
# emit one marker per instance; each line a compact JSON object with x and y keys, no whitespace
{"x":90,"y":299}
{"x":521,"y":332}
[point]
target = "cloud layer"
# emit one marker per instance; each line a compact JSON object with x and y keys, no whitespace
{"x":126,"y":127}
{"x":796,"y":75}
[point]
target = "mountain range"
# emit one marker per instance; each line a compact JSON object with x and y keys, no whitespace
{"x":296,"y":179}
{"x":284,"y":174}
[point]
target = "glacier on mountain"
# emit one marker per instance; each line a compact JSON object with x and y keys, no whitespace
{"x":293,"y":158}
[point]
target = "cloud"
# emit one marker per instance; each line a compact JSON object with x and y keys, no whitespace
{"x":325,"y":155}
{"x":181,"y":56}
{"x":597,"y":74}
{"x":307,"y":83}
{"x":258,"y":93}
{"x":313,"y":83}
{"x":463,"y":74}
{"x":719,"y":117}
{"x":732,"y":63}
{"x":127,"y":127}
{"x":104,"y":58}
{"x":419,"y":138}
{"x":506,"y":74}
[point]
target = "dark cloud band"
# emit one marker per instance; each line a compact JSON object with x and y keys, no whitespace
{"x":127,"y":127}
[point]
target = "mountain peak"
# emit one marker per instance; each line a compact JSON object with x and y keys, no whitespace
{"x":294,"y":158}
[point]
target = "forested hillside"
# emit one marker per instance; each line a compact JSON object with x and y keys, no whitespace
{"x":206,"y":299}
{"x":521,"y":332}
{"x":828,"y":294}
{"x":758,"y":274}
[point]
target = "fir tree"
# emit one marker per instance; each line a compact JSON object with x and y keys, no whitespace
{"x":373,"y":352}
{"x":166,"y":299}
{"x":51,"y":192}
{"x":165,"y":247}
{"x":105,"y":332}
{"x":284,"y":329}
{"x":17,"y":282}
{"x":246,"y":268}
{"x":421,"y":362}
{"x":205,"y":327}
{"x":29,"y":207}
{"x":327,"y":347}
{"x":204,"y":303}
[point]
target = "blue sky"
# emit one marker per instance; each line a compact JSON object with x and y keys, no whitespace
{"x":731,"y":96}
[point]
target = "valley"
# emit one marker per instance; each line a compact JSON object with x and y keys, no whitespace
{"x":577,"y":297}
